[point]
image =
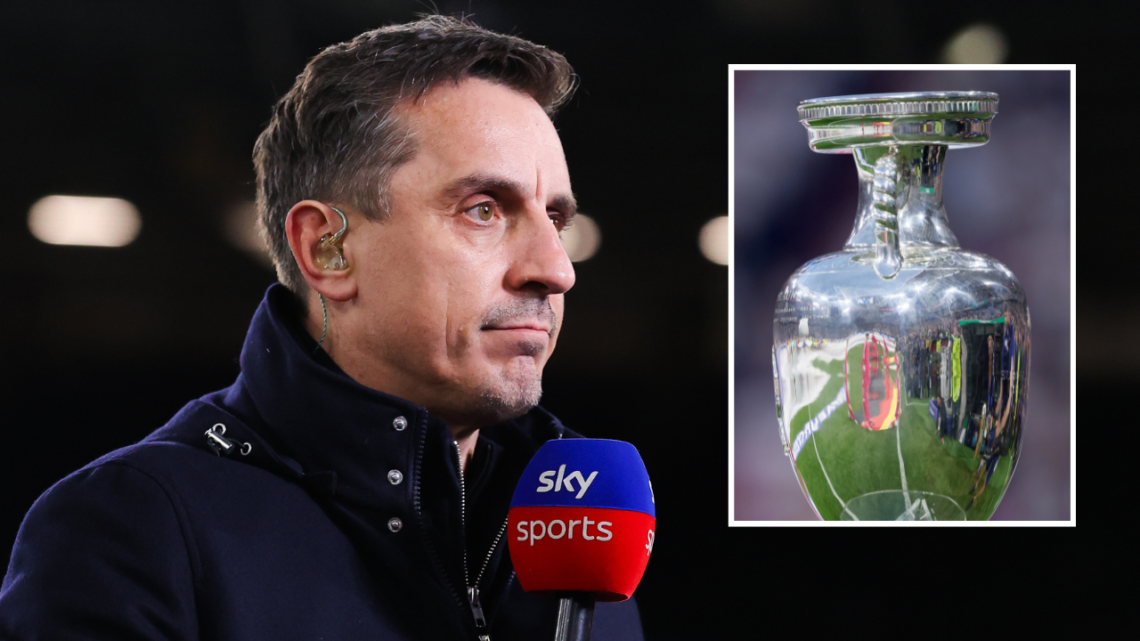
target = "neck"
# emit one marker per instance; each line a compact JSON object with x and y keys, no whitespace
{"x":922,"y":218}
{"x":466,"y":439}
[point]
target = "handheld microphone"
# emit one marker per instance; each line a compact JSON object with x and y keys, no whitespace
{"x":581,"y":525}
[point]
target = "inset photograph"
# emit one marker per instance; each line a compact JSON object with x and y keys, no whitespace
{"x":889,"y":317}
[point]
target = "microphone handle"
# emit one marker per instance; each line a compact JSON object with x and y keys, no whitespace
{"x":575,"y":617}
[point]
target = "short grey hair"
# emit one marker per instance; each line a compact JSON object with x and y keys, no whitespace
{"x":335,"y":135}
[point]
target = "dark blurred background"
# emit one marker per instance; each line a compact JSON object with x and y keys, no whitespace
{"x":1009,"y":199}
{"x":159,"y":103}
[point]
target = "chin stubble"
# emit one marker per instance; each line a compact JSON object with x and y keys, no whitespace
{"x":510,"y":399}
{"x":513,"y":396}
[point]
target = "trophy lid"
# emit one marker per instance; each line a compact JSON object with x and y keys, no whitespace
{"x":838,"y":124}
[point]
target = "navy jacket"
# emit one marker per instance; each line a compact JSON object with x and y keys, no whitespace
{"x":336,"y":513}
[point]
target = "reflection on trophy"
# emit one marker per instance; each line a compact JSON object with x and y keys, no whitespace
{"x":901,"y":361}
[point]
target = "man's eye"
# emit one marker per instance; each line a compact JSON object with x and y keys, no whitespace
{"x":560,"y":221}
{"x":483,"y":212}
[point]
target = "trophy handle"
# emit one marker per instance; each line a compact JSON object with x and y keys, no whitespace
{"x":888,"y":194}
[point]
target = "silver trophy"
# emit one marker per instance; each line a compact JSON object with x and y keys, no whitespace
{"x":902,"y":360}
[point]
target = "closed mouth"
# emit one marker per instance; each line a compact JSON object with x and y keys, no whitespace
{"x":538,"y":327}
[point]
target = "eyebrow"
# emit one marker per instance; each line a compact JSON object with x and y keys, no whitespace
{"x":480,"y":182}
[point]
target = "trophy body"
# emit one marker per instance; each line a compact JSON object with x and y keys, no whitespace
{"x":901,"y":361}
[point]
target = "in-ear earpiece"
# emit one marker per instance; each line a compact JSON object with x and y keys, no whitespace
{"x":329,"y":254}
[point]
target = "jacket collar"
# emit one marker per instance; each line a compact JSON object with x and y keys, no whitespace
{"x":305,"y":407}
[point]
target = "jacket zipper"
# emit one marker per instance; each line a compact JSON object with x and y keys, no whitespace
{"x":473,"y":588}
{"x":433,"y":554}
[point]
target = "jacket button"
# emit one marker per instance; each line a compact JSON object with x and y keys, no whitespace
{"x":395,"y":524}
{"x":400,"y":423}
{"x":395,"y":477}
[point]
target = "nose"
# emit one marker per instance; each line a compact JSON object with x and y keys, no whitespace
{"x":540,"y":262}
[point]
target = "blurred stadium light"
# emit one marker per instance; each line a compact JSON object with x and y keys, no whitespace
{"x":714,"y":240}
{"x":582,"y":238}
{"x":84,"y":220}
{"x":976,"y":44}
{"x":239,"y":226}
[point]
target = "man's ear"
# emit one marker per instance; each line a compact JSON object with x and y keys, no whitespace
{"x":310,"y":226}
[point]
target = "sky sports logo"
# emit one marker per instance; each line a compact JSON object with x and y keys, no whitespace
{"x":582,"y":519}
{"x":528,"y":530}
{"x":565,"y":481}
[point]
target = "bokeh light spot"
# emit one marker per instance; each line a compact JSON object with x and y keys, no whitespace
{"x":714,"y":240}
{"x":84,"y":220}
{"x":582,"y":238}
{"x":976,"y":44}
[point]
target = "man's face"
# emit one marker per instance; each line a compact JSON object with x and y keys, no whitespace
{"x":462,"y":288}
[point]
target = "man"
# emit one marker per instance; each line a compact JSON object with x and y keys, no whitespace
{"x":354,"y":481}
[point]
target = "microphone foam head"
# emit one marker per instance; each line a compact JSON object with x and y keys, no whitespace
{"x":582,"y":519}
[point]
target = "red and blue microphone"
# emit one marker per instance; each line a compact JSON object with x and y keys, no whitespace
{"x":581,"y":526}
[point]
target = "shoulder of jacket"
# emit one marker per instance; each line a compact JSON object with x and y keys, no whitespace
{"x":145,"y":469}
{"x":173,"y":457}
{"x":117,"y":516}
